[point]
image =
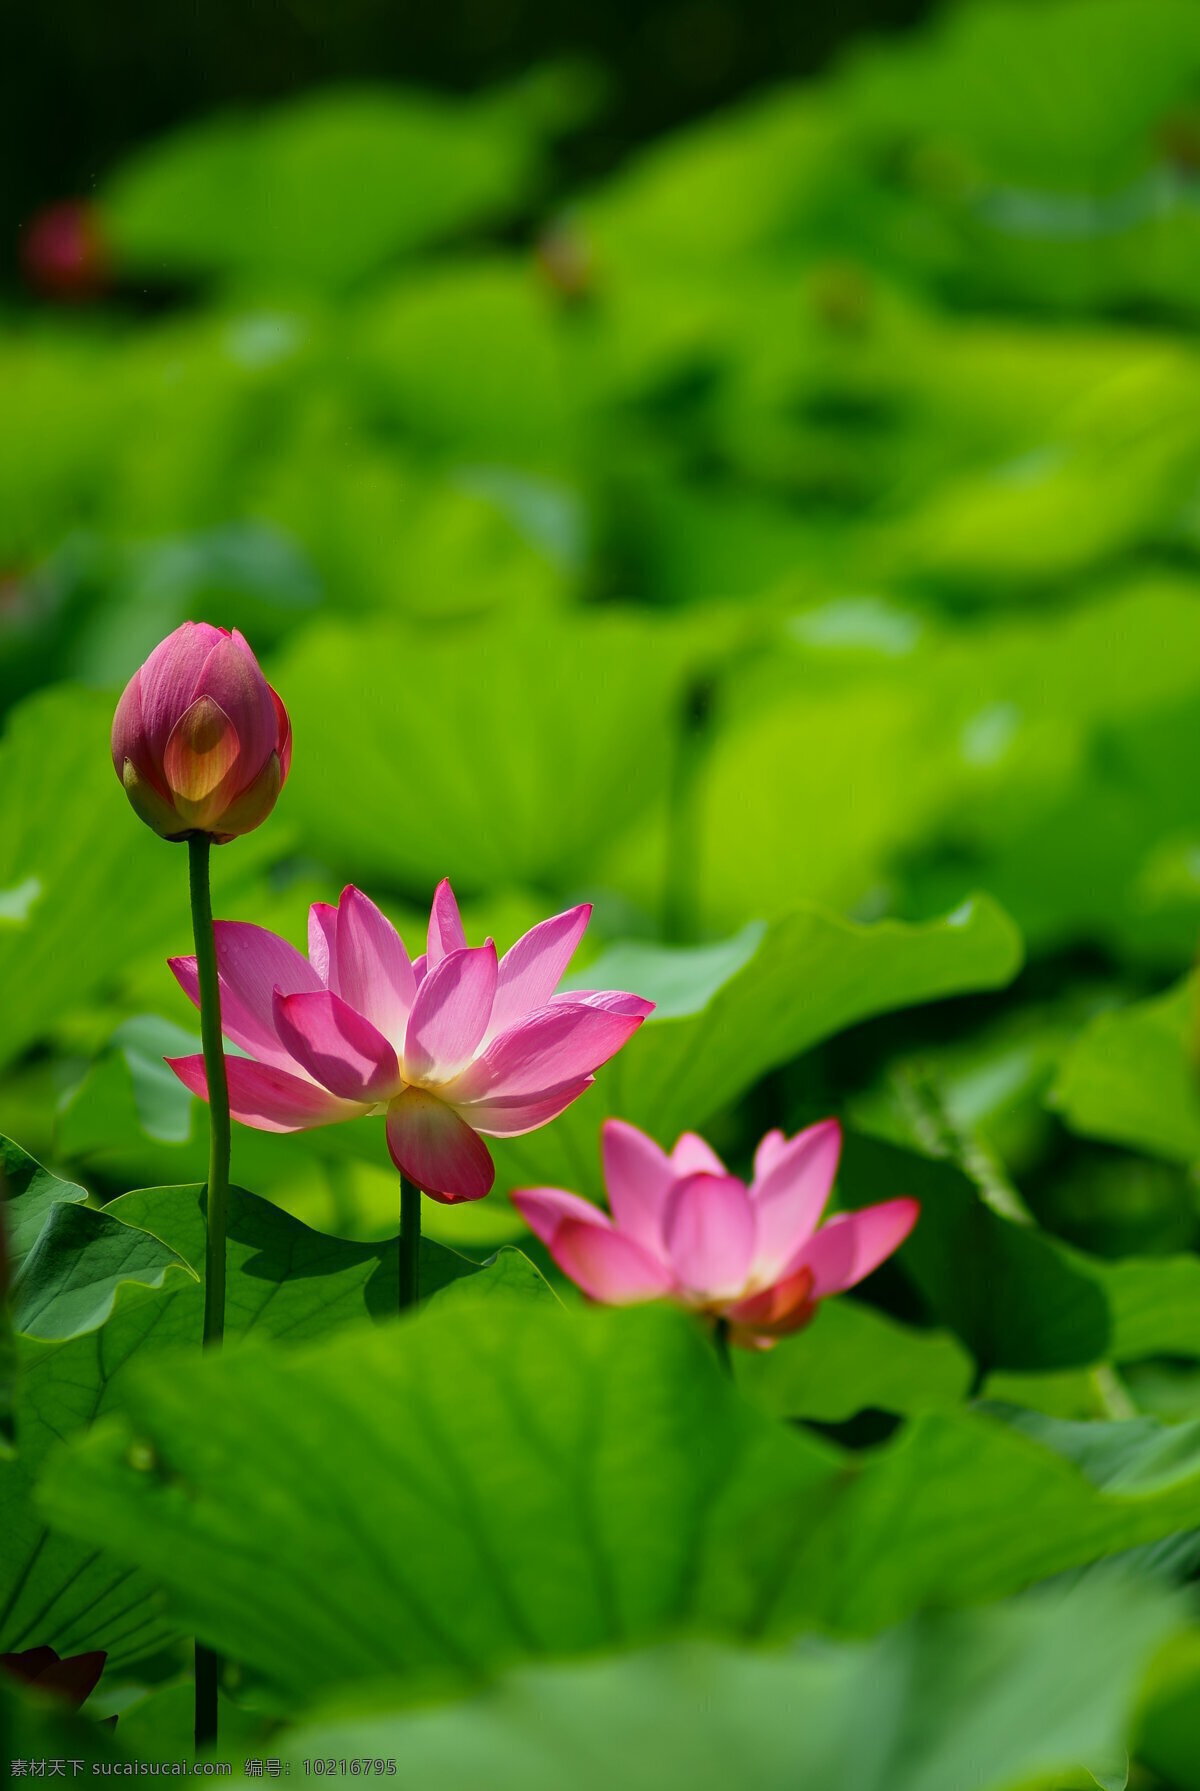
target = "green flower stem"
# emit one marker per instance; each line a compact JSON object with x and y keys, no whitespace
{"x":410,"y":1244}
{"x":721,"y":1345}
{"x":216,"y":1194}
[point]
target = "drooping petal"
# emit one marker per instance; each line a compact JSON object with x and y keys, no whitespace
{"x":638,"y":1176}
{"x":509,"y":1115}
{"x":334,"y":1043}
{"x":531,"y":970}
{"x":322,"y":943}
{"x":552,"y":1046}
{"x":374,"y":974}
{"x":545,"y":1209}
{"x":445,"y":925}
{"x":450,"y":1014}
{"x":436,"y":1149}
{"x":708,"y":1231}
{"x":767,"y":1152}
{"x":851,"y":1245}
{"x":607,"y":1265}
{"x":790,"y":1198}
{"x":267,"y":1098}
{"x":692,"y":1156}
{"x":202,"y":762}
{"x":252,"y":963}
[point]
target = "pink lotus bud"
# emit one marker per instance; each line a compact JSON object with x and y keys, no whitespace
{"x":200,"y":741}
{"x":64,"y":254}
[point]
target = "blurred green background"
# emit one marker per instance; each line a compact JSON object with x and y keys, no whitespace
{"x":741,"y":467}
{"x":796,"y":503}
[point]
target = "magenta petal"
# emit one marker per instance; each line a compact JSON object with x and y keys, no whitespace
{"x":767,"y":1152}
{"x":790,"y":1198}
{"x":334,"y":1043}
{"x":237,"y":1022}
{"x":607,"y":1265}
{"x":508,"y":1116}
{"x":445,"y":925}
{"x":374,"y":974}
{"x":436,"y":1149}
{"x":550,"y":1047}
{"x":169,"y":678}
{"x":252,"y":964}
{"x":638,"y":1176}
{"x":851,"y":1245}
{"x":130,"y":741}
{"x":545,"y":1209}
{"x":708,"y":1230}
{"x":230,"y":676}
{"x":255,"y":962}
{"x":322,"y":943}
{"x":530,"y":972}
{"x":267,"y":1098}
{"x":692,"y":1156}
{"x":611,"y":1001}
{"x":450,"y":1014}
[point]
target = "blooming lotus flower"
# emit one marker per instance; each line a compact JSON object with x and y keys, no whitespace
{"x":200,"y":741}
{"x":450,"y":1046}
{"x":684,"y":1229}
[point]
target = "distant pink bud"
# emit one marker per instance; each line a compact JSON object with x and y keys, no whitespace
{"x":200,"y":741}
{"x":64,"y":254}
{"x":71,"y":1677}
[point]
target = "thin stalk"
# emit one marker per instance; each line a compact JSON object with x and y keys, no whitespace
{"x":216,"y":1192}
{"x":720,"y":1338}
{"x":410,"y":1244}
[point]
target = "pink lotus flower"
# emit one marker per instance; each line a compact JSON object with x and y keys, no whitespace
{"x":450,"y":1046}
{"x":200,"y":741}
{"x":684,"y":1229}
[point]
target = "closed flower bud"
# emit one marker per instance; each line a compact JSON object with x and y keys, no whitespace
{"x":200,"y":741}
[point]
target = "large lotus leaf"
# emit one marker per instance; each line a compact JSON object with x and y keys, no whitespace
{"x":1017,"y":1296}
{"x":555,"y":723}
{"x":1036,"y":758}
{"x":68,"y":1260}
{"x":30,"y":1192}
{"x":1067,"y":122}
{"x":474,"y":360}
{"x":387,"y":532}
{"x":319,"y":191}
{"x":727,"y":1013}
{"x":1168,"y":1726}
{"x":1131,"y":1077}
{"x":561,"y":1481}
{"x":995,"y":1699}
{"x":852,"y":1359}
{"x":284,"y":1282}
